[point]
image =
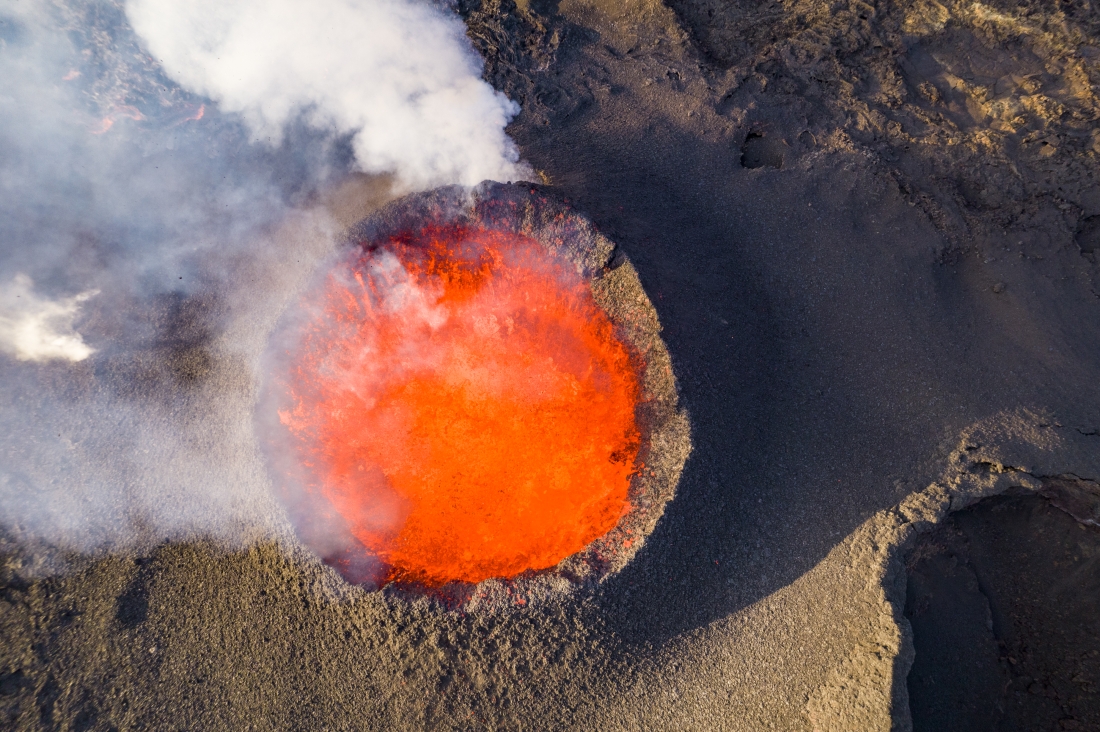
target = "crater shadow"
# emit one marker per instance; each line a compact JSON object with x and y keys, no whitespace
{"x":738,"y":529}
{"x":1004,"y":603}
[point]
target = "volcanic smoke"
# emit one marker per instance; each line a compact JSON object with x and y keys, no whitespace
{"x":460,"y":402}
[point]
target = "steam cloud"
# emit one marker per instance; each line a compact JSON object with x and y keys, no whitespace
{"x":397,"y":75}
{"x":33,"y":328}
{"x":172,"y":171}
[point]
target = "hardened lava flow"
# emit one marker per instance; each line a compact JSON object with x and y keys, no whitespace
{"x":476,"y":389}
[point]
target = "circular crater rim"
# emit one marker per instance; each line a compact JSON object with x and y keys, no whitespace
{"x":541,"y":214}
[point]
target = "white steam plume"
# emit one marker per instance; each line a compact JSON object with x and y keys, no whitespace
{"x":127,"y":418}
{"x":398,"y":75}
{"x":35,"y":328}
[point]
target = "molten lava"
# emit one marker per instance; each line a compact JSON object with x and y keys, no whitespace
{"x":463,"y":404}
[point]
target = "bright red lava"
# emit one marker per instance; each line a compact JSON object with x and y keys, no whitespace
{"x":461,"y":401}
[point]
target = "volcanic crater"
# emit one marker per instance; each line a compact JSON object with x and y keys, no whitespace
{"x":474,"y":394}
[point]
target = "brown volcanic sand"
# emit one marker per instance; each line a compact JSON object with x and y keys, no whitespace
{"x":890,"y":313}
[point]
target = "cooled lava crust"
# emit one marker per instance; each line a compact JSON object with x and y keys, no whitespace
{"x":477,"y":390}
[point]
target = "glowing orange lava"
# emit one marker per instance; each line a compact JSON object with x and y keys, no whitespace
{"x":462,"y":402}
